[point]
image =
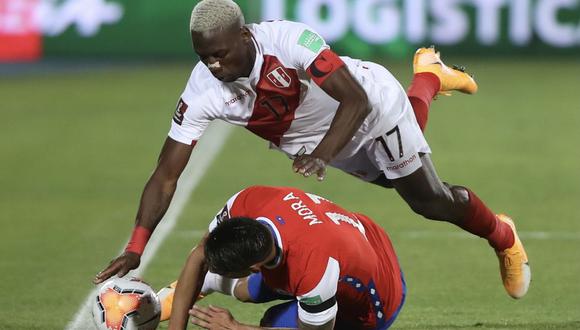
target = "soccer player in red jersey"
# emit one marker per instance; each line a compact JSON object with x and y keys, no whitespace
{"x":281,"y":81}
{"x":338,"y":269}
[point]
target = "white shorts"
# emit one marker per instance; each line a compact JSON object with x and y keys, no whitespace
{"x":393,"y":140}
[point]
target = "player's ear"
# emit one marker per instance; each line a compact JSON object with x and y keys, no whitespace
{"x":255,"y":268}
{"x":246,"y":34}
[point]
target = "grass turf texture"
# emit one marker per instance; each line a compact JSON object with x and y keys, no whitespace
{"x":77,"y":148}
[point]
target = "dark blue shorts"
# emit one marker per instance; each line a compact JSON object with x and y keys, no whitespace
{"x":285,"y":315}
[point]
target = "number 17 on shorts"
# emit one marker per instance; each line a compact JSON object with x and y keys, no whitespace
{"x":397,"y":151}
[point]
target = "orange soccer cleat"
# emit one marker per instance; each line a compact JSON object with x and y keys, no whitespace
{"x":452,"y":79}
{"x":166,"y":299}
{"x":513,"y":264}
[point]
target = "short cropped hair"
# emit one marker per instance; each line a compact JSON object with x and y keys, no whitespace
{"x":236,"y":244}
{"x":209,"y":15}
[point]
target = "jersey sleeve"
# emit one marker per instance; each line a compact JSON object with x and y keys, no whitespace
{"x":195,"y":109}
{"x":318,"y":305}
{"x":225,"y":213}
{"x":300,"y":44}
{"x":184,"y":128}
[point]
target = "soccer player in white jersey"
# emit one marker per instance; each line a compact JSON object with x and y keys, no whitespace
{"x":281,"y":81}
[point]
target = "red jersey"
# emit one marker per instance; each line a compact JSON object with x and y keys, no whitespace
{"x":337,"y":263}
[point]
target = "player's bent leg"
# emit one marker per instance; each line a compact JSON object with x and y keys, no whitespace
{"x":433,"y":199}
{"x":428,"y":196}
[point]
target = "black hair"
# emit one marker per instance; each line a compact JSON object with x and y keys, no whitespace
{"x":236,"y":244}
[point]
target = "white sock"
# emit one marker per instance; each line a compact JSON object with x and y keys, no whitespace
{"x":214,"y":282}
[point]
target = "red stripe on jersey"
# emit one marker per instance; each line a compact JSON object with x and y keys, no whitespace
{"x":324,"y":65}
{"x":277,"y":97}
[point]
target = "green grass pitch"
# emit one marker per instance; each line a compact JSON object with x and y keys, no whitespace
{"x":76,"y":149}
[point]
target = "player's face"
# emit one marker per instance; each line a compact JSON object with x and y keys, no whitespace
{"x":229,"y":54}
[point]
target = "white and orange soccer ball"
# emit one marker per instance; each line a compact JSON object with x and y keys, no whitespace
{"x":126,"y":304}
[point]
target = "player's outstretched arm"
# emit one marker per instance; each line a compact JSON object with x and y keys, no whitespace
{"x":354,"y":107}
{"x":188,"y":286}
{"x":155,"y":200}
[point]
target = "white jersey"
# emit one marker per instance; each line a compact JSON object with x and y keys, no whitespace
{"x":280,"y":103}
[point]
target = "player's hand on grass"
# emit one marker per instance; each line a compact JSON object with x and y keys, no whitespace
{"x":213,"y":317}
{"x":308,"y":165}
{"x":119,"y":266}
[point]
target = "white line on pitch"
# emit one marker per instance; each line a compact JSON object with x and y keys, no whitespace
{"x":205,"y":151}
{"x":531,"y":235}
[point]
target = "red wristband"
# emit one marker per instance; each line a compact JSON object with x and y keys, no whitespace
{"x":138,"y":240}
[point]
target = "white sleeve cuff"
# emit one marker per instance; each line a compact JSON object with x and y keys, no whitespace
{"x":317,"y":318}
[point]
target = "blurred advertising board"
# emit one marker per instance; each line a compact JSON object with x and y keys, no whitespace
{"x":379,"y":27}
{"x":30,"y":29}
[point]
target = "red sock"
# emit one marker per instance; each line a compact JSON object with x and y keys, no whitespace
{"x":481,"y":221}
{"x":423,"y":89}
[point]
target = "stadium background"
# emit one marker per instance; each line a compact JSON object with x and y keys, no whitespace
{"x":87,"y":90}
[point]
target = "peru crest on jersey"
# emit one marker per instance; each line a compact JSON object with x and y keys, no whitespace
{"x":279,"y":77}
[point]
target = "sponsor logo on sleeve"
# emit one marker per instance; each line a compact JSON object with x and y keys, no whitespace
{"x":223,"y":215}
{"x":279,"y":77}
{"x":316,"y":300}
{"x":311,"y":41}
{"x":180,"y":112}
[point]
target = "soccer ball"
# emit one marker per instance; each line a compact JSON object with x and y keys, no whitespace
{"x":126,"y":304}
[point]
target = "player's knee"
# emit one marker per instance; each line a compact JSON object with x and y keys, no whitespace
{"x":433,"y":207}
{"x":460,"y":194}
